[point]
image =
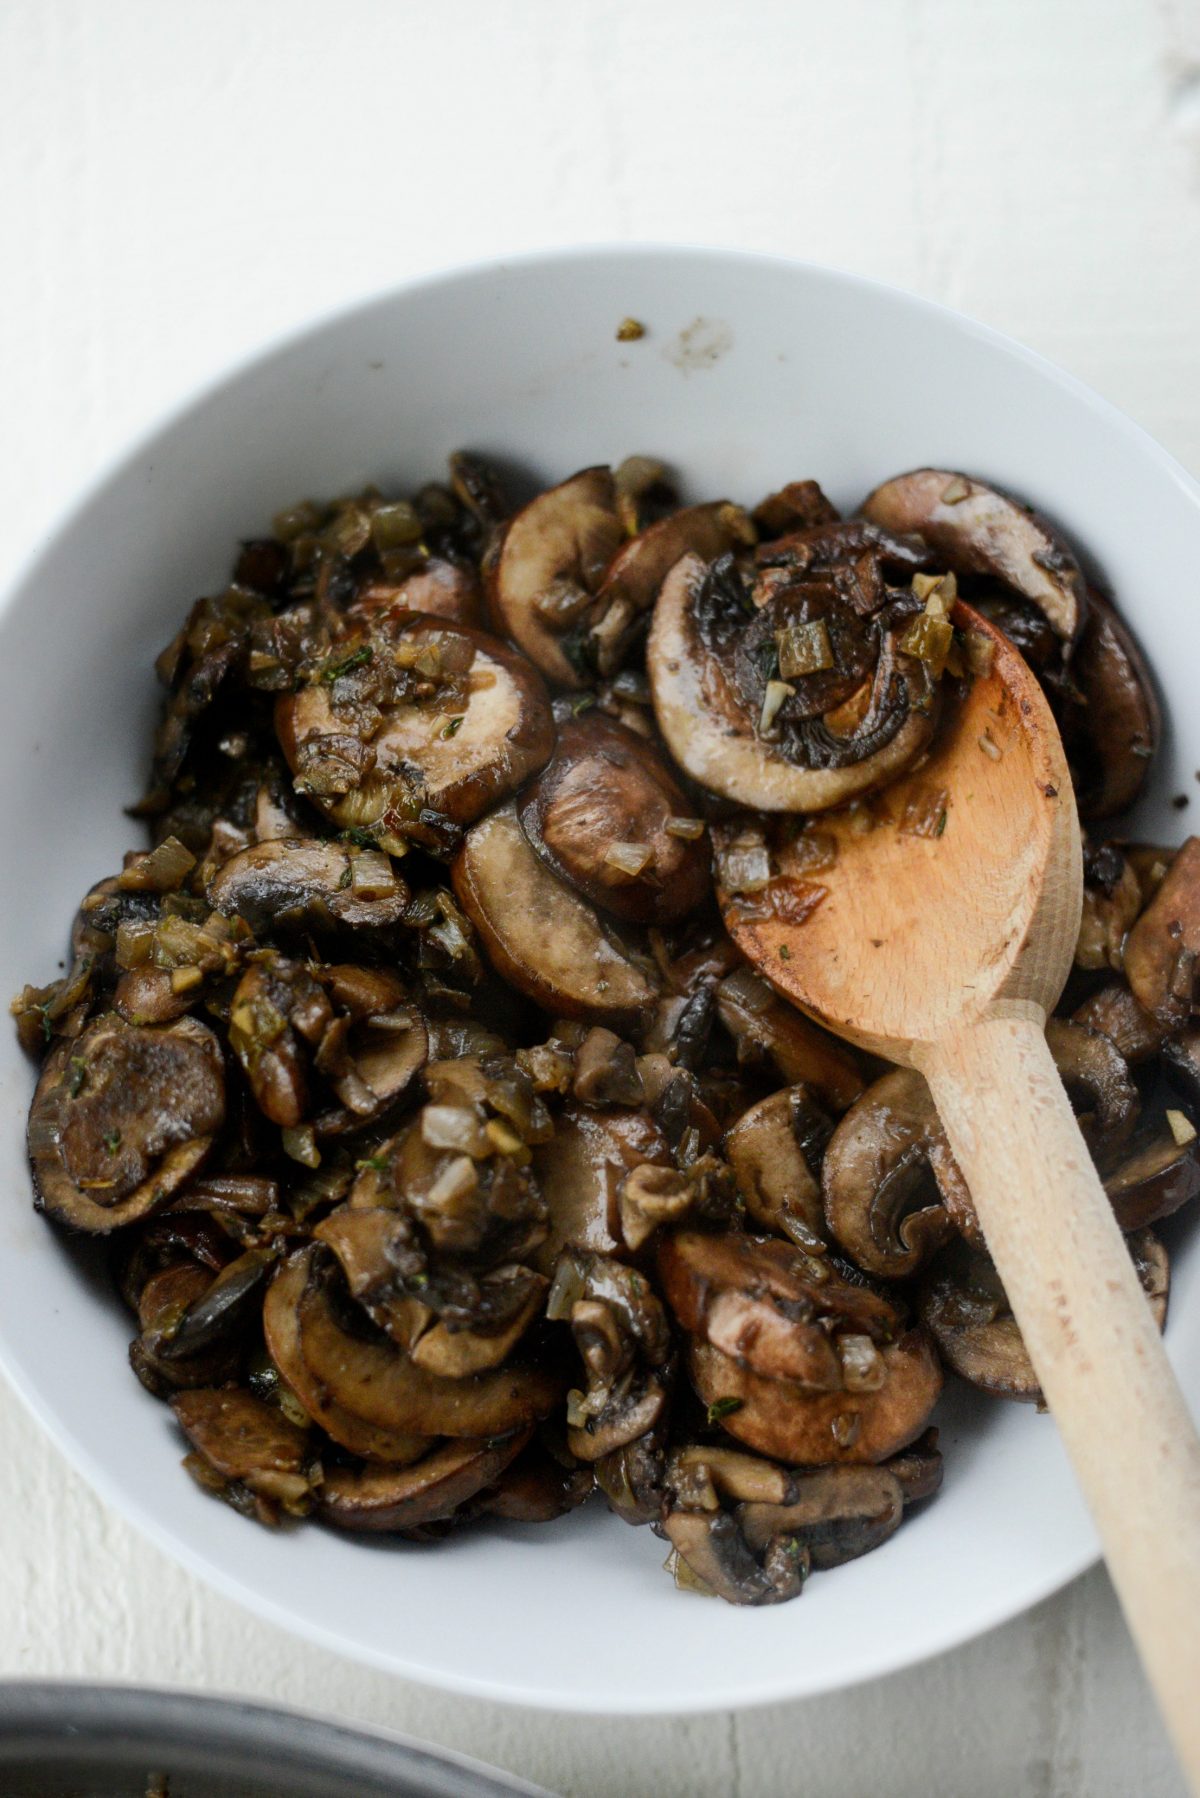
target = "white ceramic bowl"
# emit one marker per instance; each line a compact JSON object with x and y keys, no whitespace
{"x":752,"y":372}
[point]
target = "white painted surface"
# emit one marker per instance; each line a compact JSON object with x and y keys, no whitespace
{"x":180,"y":180}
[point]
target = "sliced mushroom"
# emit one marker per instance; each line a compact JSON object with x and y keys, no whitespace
{"x":220,"y":1312}
{"x":1161,"y":949}
{"x":457,"y":1353}
{"x":366,"y":1240}
{"x":373,"y":1379}
{"x":760,"y":1022}
{"x":711,"y":703}
{"x":774,"y":1309}
{"x":535,"y":1488}
{"x":606,"y":1071}
{"x":715,"y":1552}
{"x":893,"y":1191}
{"x":382,"y":760}
{"x":1112,"y":730}
{"x":775,"y":1151}
{"x":976,"y":529}
{"x":1157,"y":1178}
{"x":386,"y":1499}
{"x":918,"y":1468}
{"x":551,"y":561}
{"x":582,"y":1171}
{"x":963,"y":1305}
{"x":836,"y":1514}
{"x":803,"y":1428}
{"x":164,"y":1299}
{"x":633,"y":578}
{"x":291,"y":885}
{"x":440,"y":588}
{"x":1112,"y":899}
{"x":120,"y":1119}
{"x":798,"y":506}
{"x":282,"y":1330}
{"x":248,"y":1443}
{"x":1181,"y":1065}
{"x":607,"y":815}
{"x":1116,"y":1014}
{"x":1098,"y":1084}
{"x":539,"y":935}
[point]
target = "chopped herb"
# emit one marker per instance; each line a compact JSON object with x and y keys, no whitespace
{"x":346,"y":878}
{"x":112,"y":1141}
{"x":79,"y":1072}
{"x":724,"y":1407}
{"x":785,"y":953}
{"x":378,"y":1164}
{"x":452,"y":726}
{"x":47,"y":1026}
{"x":360,"y":836}
{"x":940,"y":827}
{"x":358,"y":658}
{"x":585,"y":701}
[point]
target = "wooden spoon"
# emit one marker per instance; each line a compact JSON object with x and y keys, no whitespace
{"x":943,"y":935}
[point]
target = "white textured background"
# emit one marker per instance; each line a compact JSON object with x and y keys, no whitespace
{"x":181,"y":179}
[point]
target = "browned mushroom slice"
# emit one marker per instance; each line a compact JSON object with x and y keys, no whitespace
{"x":1161,"y":950}
{"x":163,"y":1300}
{"x":379,"y":1383}
{"x":1181,"y":1065}
{"x":121,"y":1117}
{"x":539,"y":935}
{"x":632,"y":1411}
{"x":453,"y":752}
{"x":977,"y":530}
{"x":552,"y":559}
{"x":1097,"y":1081}
{"x":385,"y":1044}
{"x":715,"y":731}
{"x":798,"y":506}
{"x":363,"y":1238}
{"x":715,"y":1553}
{"x":439,"y":587}
{"x":893,"y":1191}
{"x":404,"y":1498}
{"x":1116,"y":1014}
{"x":1112,"y":730}
{"x":918,"y":1467}
{"x":1158,"y":1177}
{"x":301,"y":883}
{"x":249,"y":1443}
{"x":964,"y":1306}
{"x":609,"y":817}
{"x":1112,"y":899}
{"x":582,"y":1170}
{"x":774,"y":1308}
{"x":456,"y":1353}
{"x":836,"y":1514}
{"x":220,"y":1312}
{"x":759,"y":1021}
{"x":702,"y":1475}
{"x":813,"y":1429}
{"x":536,"y":1488}
{"x":282,"y":1330}
{"x":631,"y":584}
{"x":773,"y":1150}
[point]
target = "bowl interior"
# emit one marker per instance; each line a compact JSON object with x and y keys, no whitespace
{"x":751,"y":373}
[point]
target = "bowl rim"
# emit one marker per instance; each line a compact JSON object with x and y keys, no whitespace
{"x":880,"y":1660}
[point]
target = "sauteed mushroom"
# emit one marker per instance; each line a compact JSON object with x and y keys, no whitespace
{"x":1112,"y":728}
{"x":795,"y":704}
{"x":413,"y":722}
{"x":963,"y":1305}
{"x":539,"y":935}
{"x":1161,"y":950}
{"x":775,"y":1150}
{"x":892,"y":1189}
{"x":292,"y":885}
{"x":607,"y":816}
{"x":246,"y":1451}
{"x":975,"y":529}
{"x":386,"y":1499}
{"x":121,"y":1117}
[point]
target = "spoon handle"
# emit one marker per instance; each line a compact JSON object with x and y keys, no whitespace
{"x":1088,"y":1328}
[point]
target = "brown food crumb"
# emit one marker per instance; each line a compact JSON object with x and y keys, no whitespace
{"x":1179,"y":801}
{"x":630,"y":329}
